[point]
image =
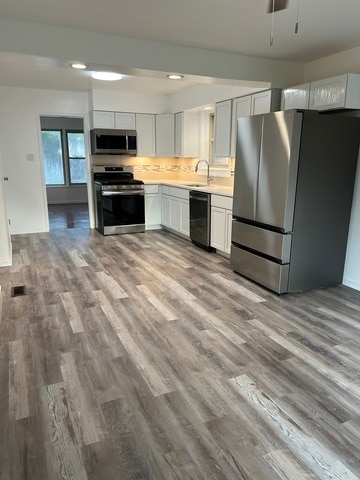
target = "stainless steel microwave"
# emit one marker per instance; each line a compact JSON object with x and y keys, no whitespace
{"x":113,"y":142}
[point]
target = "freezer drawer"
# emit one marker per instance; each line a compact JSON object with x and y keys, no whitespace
{"x":276,"y":245}
{"x":263,"y":271}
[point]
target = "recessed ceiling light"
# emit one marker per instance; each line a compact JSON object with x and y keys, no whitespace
{"x":79,"y":66}
{"x":207,"y":108}
{"x":109,"y":76}
{"x":175,"y":77}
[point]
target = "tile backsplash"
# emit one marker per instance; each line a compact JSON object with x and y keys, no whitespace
{"x":147,"y":168}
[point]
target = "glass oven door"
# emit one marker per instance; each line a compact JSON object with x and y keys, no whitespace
{"x":122,"y":211}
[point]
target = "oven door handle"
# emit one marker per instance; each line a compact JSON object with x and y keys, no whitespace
{"x":125,"y":192}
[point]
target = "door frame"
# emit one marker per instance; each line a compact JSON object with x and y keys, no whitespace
{"x":6,"y":255}
{"x":89,"y":182}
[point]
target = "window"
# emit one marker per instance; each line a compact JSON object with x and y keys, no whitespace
{"x":64,"y":157}
{"x":53,"y":157}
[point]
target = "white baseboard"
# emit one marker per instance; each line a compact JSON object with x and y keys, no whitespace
{"x":351,"y":283}
{"x":153,"y":227}
{"x":6,"y":261}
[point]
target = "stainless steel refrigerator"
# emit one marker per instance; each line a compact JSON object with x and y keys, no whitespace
{"x":293,"y":188}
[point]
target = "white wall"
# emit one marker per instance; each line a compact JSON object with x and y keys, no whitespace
{"x":192,"y":97}
{"x":5,"y":241}
{"x":344,"y":62}
{"x":69,"y":44}
{"x":204,"y":94}
{"x":129,"y":102}
{"x":20,"y":109}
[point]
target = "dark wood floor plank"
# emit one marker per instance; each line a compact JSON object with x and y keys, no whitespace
{"x":5,"y":440}
{"x":312,"y":452}
{"x":21,"y":380}
{"x":83,"y":411}
{"x":63,"y":454}
{"x":142,"y":356}
{"x":101,"y":461}
{"x":26,"y":453}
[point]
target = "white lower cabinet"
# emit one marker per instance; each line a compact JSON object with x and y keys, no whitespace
{"x":175,"y":213}
{"x":165,"y":210}
{"x":175,"y":209}
{"x":185,"y":217}
{"x":221,"y":221}
{"x":152,"y":207}
{"x":228,"y":231}
{"x":169,"y":207}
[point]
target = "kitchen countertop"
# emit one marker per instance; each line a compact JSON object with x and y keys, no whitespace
{"x":202,"y":187}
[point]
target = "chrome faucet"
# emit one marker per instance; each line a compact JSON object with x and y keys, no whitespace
{"x":208,"y":178}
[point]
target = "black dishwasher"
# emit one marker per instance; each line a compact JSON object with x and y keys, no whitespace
{"x":200,"y":219}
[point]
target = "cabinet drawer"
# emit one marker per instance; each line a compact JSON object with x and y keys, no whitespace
{"x":151,"y":188}
{"x":263,"y":271}
{"x":221,"y":201}
{"x":179,"y":192}
{"x":274,"y":244}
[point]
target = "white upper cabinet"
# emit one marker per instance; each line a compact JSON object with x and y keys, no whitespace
{"x":99,"y":119}
{"x":255,"y":104}
{"x":222,"y":134}
{"x":342,"y":91}
{"x":241,"y":108}
{"x":165,"y":135}
{"x":265,"y":102}
{"x":261,"y":102}
{"x":125,"y":121}
{"x":187,"y":134}
{"x":179,"y":132}
{"x":296,"y":97}
{"x":145,"y":127}
{"x":120,"y":120}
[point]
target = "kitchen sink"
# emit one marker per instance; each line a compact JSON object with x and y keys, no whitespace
{"x":194,"y":185}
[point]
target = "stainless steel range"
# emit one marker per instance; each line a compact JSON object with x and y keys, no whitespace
{"x":120,"y":201}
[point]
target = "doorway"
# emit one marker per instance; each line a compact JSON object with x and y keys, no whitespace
{"x":63,"y":151}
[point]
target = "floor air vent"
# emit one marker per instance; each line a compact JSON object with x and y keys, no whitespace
{"x":17,"y":291}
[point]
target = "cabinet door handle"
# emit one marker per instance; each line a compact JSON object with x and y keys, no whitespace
{"x":6,"y":179}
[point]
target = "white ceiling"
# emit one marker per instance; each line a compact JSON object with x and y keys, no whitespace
{"x":238,"y":26}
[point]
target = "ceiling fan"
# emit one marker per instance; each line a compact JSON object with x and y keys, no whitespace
{"x":276,"y":5}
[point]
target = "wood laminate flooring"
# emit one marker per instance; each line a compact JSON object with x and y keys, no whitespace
{"x":143,"y":357}
{"x":68,"y":215}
